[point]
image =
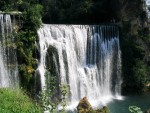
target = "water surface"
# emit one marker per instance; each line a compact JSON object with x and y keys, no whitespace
{"x":121,"y":106}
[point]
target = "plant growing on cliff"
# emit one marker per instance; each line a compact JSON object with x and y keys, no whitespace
{"x":49,"y":97}
{"x":135,"y":67}
{"x":140,"y":74}
{"x":25,"y":41}
{"x":26,"y":37}
{"x":64,"y":92}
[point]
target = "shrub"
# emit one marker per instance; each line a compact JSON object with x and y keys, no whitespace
{"x":16,"y":101}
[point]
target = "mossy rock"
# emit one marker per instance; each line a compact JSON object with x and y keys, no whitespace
{"x":85,"y":107}
{"x":103,"y":110}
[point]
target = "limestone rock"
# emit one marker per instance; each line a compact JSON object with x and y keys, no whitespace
{"x":85,"y":107}
{"x":103,"y":110}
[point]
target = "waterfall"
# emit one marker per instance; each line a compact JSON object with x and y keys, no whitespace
{"x":147,"y":8}
{"x":85,"y":57}
{"x":8,"y":60}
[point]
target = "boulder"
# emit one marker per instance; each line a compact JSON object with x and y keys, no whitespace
{"x":85,"y":107}
{"x":148,"y":111}
{"x":103,"y":110}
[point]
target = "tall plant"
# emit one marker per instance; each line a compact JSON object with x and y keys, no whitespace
{"x":50,"y":100}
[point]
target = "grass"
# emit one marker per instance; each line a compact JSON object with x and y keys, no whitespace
{"x":16,"y":101}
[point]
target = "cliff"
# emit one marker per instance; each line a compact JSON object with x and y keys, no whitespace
{"x":135,"y":45}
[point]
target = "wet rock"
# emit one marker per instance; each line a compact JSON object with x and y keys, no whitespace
{"x":148,"y":111}
{"x":103,"y":110}
{"x":85,"y":107}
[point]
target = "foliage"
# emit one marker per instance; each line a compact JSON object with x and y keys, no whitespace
{"x":46,"y":96}
{"x":135,"y":109}
{"x":49,"y":97}
{"x":32,"y":16}
{"x":16,"y":101}
{"x":141,"y":75}
{"x":135,"y":69}
{"x":26,"y":37}
{"x":79,"y":11}
{"x":6,"y":5}
{"x":13,"y":5}
{"x":64,"y":92}
{"x":25,"y":41}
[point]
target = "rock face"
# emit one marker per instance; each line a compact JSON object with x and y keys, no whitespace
{"x":135,"y":45}
{"x":85,"y":107}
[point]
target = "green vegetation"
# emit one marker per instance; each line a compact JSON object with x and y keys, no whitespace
{"x":16,"y":101}
{"x":135,"y":38}
{"x":25,"y":37}
{"x":80,"y":11}
{"x":85,"y":107}
{"x":135,"y":109}
{"x":135,"y":67}
{"x":70,"y":11}
{"x":135,"y":60}
{"x":135,"y":46}
{"x":49,"y":100}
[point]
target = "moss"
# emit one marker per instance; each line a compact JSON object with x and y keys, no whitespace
{"x":85,"y":107}
{"x":103,"y":110}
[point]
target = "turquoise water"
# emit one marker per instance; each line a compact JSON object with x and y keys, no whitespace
{"x":121,"y":106}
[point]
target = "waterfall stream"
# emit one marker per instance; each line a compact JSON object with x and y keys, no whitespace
{"x":85,"y":57}
{"x":8,"y":60}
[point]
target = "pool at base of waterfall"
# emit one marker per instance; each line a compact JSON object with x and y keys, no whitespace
{"x":122,"y":105}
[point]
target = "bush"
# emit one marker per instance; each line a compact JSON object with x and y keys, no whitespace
{"x":135,"y":109}
{"x":16,"y":101}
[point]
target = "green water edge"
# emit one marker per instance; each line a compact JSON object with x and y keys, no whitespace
{"x":121,"y":106}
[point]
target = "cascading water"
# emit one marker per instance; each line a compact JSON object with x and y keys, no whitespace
{"x":8,"y":60}
{"x":86,"y":57}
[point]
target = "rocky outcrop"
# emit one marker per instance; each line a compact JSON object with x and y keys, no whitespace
{"x":85,"y":107}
